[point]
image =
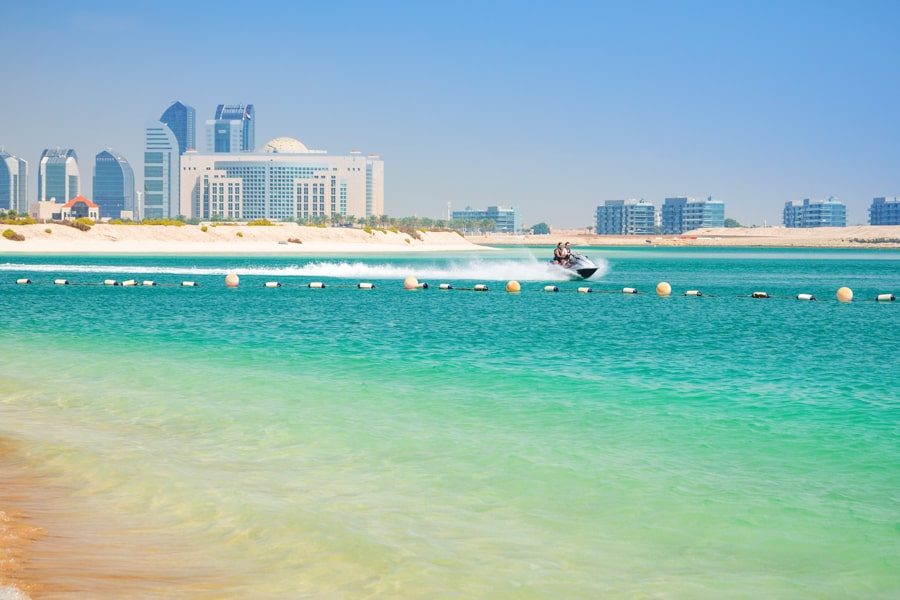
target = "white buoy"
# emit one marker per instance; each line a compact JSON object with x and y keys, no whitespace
{"x":148,"y":283}
{"x":445,"y":286}
{"x":110,"y":282}
{"x":480,"y":287}
{"x":232,"y":280}
{"x":61,"y":281}
{"x":885,"y":298}
{"x":272,"y":284}
{"x":129,"y":283}
{"x":629,"y":291}
{"x":693,"y":293}
{"x":551,"y":288}
{"x":189,"y":284}
{"x":845,"y":294}
{"x":585,"y":290}
{"x":422,"y":286}
{"x":663,"y":289}
{"x":365,"y":286}
{"x":759,"y":295}
{"x":23,"y":281}
{"x":805,"y":297}
{"x":316,"y":284}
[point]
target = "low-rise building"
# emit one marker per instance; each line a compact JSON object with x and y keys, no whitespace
{"x":884,"y":211}
{"x":815,"y":213}
{"x":626,"y":217}
{"x":507,"y":219}
{"x":681,"y":213}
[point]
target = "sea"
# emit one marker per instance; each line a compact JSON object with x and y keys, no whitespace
{"x":337,"y":442}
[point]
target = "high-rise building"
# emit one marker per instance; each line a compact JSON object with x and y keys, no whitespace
{"x":58,"y":175}
{"x":232,"y":129}
{"x":113,"y":185}
{"x":815,"y":213}
{"x":507,"y":219}
{"x":626,"y":217}
{"x":284,"y":182}
{"x":182,"y":119}
{"x":161,"y":174}
{"x":884,"y":211}
{"x":680,"y":214}
{"x":13,"y":183}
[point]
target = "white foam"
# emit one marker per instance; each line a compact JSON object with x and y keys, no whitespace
{"x":11,"y":592}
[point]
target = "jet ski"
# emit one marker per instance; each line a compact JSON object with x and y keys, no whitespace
{"x":578,"y":266}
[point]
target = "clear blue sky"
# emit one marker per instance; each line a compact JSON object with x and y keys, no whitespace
{"x":552,"y":106}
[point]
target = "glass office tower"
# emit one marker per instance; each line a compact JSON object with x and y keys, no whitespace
{"x":161,"y":173}
{"x":13,"y":183}
{"x":182,"y":119}
{"x":232,"y":130}
{"x":113,"y":185}
{"x":58,"y":175}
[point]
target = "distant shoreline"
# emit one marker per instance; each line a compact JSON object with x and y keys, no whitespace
{"x":859,"y":236}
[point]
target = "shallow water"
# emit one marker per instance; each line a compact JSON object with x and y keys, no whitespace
{"x":419,"y":444}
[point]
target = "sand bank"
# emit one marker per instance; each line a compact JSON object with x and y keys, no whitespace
{"x":860,"y":236}
{"x":287,"y":238}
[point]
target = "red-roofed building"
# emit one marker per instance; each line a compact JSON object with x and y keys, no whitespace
{"x":80,"y":207}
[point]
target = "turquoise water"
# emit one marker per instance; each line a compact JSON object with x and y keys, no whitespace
{"x":382,"y":443}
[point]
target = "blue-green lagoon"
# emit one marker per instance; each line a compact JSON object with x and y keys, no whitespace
{"x":207,"y":442}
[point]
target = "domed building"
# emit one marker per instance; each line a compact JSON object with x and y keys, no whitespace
{"x":283,"y":181}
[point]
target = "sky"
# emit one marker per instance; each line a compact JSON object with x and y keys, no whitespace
{"x":550,"y":106}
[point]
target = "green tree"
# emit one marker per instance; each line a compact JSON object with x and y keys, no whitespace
{"x":732,"y":223}
{"x":540,"y":229}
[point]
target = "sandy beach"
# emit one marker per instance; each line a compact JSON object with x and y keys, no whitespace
{"x":287,"y":238}
{"x":859,"y":236}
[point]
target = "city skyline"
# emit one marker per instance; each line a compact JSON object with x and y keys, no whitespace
{"x":550,"y":107}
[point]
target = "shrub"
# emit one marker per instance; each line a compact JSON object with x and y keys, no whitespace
{"x":295,"y":241}
{"x":83,"y":223}
{"x":261,"y":223}
{"x":239,"y":234}
{"x":204,"y":228}
{"x":12,"y":235}
{"x":48,"y":230}
{"x":368,"y":230}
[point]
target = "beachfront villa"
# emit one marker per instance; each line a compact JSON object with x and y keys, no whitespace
{"x":815,"y":213}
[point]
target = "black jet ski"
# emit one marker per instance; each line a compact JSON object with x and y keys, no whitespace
{"x":577,"y":266}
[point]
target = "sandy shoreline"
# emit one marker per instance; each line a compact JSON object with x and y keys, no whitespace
{"x":859,"y":236}
{"x":287,"y":238}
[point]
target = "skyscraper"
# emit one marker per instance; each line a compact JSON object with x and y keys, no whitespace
{"x":182,"y":119}
{"x":113,"y":184}
{"x":232,"y":130}
{"x":161,"y":173}
{"x":58,"y":175}
{"x":13,"y":183}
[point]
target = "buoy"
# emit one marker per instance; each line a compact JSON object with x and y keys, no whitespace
{"x":551,"y":288}
{"x":423,"y":286}
{"x":189,"y":284}
{"x":480,"y":287}
{"x":585,"y":290}
{"x":316,"y":284}
{"x":272,"y":284}
{"x":110,"y":282}
{"x":513,"y":286}
{"x":805,"y":297}
{"x":845,"y":294}
{"x":23,"y":281}
{"x":880,"y":298}
{"x":445,"y":286}
{"x":232,"y":280}
{"x":365,"y":286}
{"x":629,"y":291}
{"x":693,"y":293}
{"x":410,"y":283}
{"x":61,"y":281}
{"x":759,"y":295}
{"x":663,"y":289}
{"x":129,"y":283}
{"x":149,"y":283}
